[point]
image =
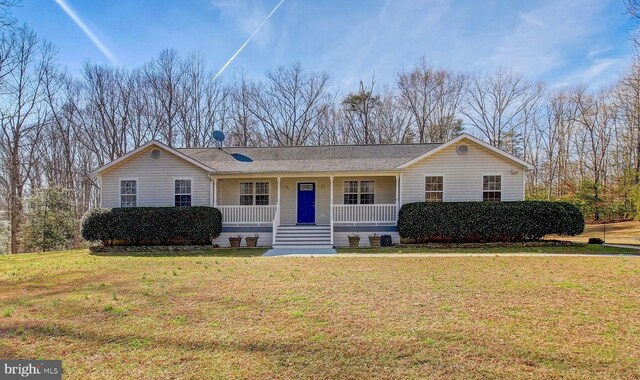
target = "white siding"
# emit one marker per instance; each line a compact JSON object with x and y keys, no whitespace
{"x":463,"y":175}
{"x":155,"y":180}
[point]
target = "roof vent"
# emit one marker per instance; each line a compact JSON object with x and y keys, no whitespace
{"x":462,"y":149}
{"x":155,"y":153}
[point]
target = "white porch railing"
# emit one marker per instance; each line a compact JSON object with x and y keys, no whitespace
{"x":376,"y":213}
{"x":247,"y":214}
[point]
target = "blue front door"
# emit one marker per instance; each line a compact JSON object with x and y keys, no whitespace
{"x":307,"y":203}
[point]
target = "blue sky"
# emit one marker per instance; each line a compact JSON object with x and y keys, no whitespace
{"x":561,"y":42}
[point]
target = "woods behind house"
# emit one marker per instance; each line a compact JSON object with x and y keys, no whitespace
{"x":57,"y":126}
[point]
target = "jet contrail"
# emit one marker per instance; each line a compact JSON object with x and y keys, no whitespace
{"x":248,"y":39}
{"x":96,"y":41}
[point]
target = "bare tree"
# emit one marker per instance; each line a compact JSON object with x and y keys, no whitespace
{"x":23,"y":113}
{"x":627,"y":98}
{"x":164,"y":76}
{"x":107,"y":112}
{"x":554,"y":139}
{"x":203,"y":104}
{"x":289,"y":104}
{"x":392,"y":123}
{"x":434,"y":98}
{"x":496,"y":106}
{"x":243,"y":125}
{"x":596,"y":117}
{"x":359,"y":113}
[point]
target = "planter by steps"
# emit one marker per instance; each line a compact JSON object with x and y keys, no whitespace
{"x":374,"y":241}
{"x":252,"y":241}
{"x":354,"y":241}
{"x":234,"y":241}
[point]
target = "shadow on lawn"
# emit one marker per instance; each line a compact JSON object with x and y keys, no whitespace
{"x":40,"y":331}
{"x":214,"y":252}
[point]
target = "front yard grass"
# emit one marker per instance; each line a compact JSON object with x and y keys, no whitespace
{"x":331,"y":317}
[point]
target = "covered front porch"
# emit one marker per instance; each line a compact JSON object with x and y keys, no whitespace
{"x":316,"y":210}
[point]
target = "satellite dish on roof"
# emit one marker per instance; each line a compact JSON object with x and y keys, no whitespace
{"x":241,"y":157}
{"x":219,"y":137}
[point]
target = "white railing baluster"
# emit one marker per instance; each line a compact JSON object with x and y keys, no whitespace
{"x":247,"y":214}
{"x":376,"y":213}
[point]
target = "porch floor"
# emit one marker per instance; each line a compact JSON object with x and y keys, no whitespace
{"x":300,"y":251}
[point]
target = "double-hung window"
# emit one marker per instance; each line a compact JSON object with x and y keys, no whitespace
{"x":359,"y":192}
{"x":254,"y":193}
{"x":492,"y":188}
{"x":433,"y":189}
{"x":128,"y":193}
{"x":182,"y":192}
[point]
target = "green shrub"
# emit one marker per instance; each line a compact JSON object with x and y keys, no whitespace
{"x":488,"y":221}
{"x":50,"y":220}
{"x":152,"y":225}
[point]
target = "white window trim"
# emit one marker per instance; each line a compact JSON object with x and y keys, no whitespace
{"x":174,"y":189}
{"x":482,"y":185}
{"x":120,"y":190}
{"x":375,"y":197}
{"x":254,"y":194}
{"x":444,"y":187}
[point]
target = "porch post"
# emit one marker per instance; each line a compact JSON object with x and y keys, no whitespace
{"x":398,"y":194}
{"x":278,"y":192}
{"x":276,"y":220}
{"x":214,"y":192}
{"x":212,"y":203}
{"x":331,"y":206}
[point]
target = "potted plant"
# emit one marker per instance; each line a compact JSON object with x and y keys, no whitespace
{"x":354,"y":240}
{"x":234,"y":241}
{"x":252,"y":241}
{"x":374,"y":240}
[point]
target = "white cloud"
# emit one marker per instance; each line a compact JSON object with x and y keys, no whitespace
{"x":599,"y":73}
{"x":87,"y":31}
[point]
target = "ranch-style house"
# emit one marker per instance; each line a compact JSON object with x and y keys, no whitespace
{"x":312,"y":196}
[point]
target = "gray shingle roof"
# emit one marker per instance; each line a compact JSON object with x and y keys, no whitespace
{"x":326,"y":158}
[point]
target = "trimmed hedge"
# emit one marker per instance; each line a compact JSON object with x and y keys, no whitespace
{"x":463,"y":222}
{"x":152,"y":225}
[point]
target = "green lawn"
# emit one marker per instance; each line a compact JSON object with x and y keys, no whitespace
{"x":110,"y":317}
{"x":574,"y":249}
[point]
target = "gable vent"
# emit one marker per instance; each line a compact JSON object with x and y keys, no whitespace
{"x":462,"y":149}
{"x":155,"y":154}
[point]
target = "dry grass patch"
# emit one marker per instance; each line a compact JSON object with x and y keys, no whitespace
{"x":616,"y":233}
{"x":348,"y":318}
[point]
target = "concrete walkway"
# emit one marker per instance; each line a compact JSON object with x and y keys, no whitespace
{"x":274,"y":252}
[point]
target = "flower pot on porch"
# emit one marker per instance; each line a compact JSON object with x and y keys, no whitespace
{"x":234,"y":241}
{"x":354,"y":241}
{"x":374,"y":241}
{"x":252,"y":241}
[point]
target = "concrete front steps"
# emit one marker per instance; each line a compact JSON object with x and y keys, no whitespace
{"x":303,"y":237}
